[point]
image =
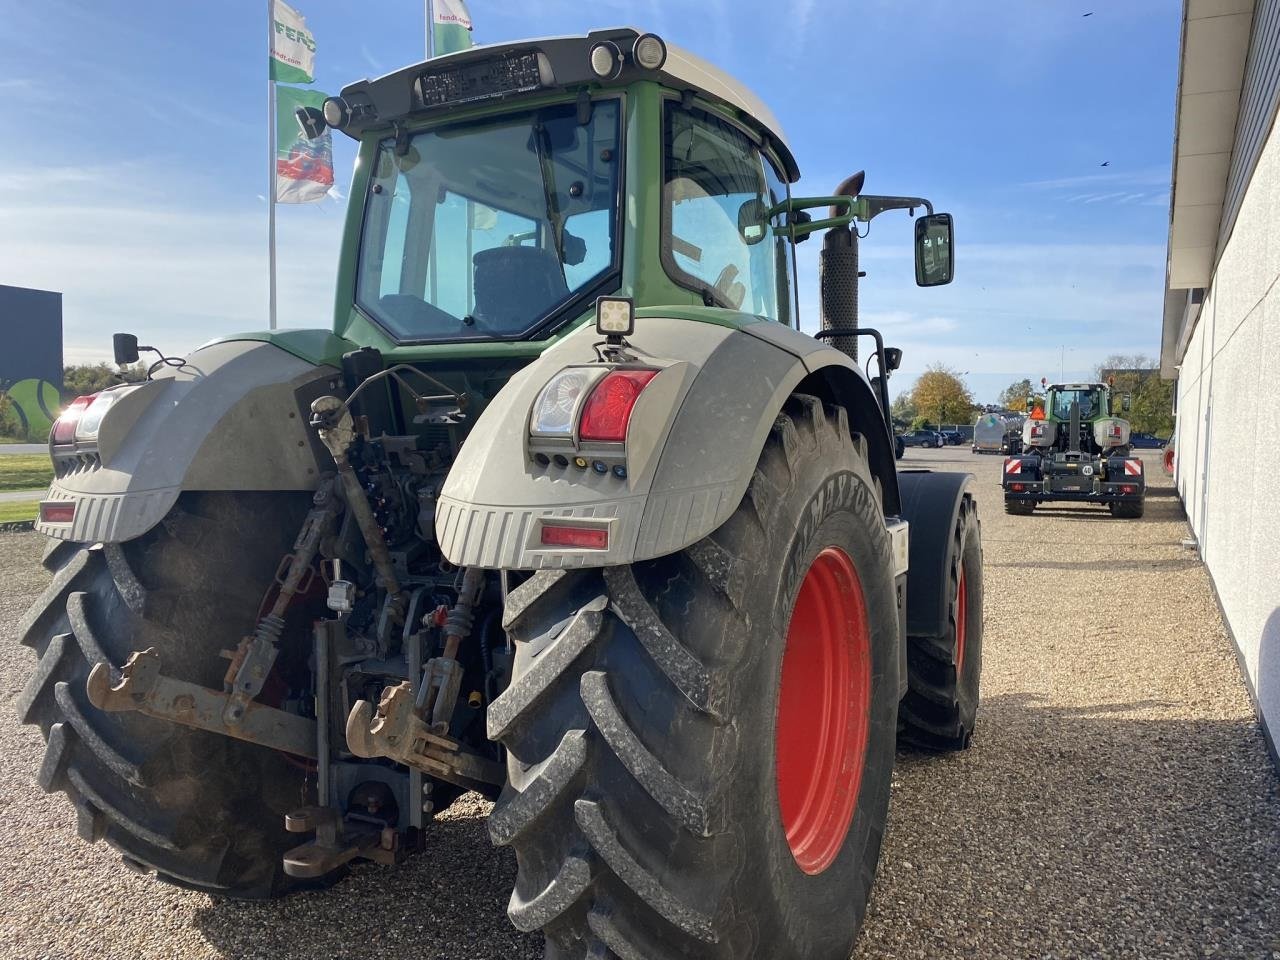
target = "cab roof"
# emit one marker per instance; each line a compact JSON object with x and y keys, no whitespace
{"x":508,"y":71}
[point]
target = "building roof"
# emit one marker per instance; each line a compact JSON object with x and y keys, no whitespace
{"x":1215,"y":48}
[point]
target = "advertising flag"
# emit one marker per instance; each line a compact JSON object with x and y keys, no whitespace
{"x":293,"y":48}
{"x":451,"y":27}
{"x":304,"y":168}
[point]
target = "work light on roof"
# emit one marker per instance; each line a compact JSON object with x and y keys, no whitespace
{"x":615,"y":316}
{"x":649,"y":51}
{"x":606,"y":60}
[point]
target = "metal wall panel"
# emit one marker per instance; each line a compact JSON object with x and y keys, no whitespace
{"x":1258,"y":102}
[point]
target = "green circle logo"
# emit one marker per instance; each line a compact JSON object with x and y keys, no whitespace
{"x":36,"y":403}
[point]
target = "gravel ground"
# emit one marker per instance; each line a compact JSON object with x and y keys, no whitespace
{"x":1117,"y":801}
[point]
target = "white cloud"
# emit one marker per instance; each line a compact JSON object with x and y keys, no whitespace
{"x":143,"y":256}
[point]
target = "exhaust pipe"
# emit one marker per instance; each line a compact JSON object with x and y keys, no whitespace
{"x":838,"y":277}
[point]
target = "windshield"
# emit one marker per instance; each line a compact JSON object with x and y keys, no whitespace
{"x":1090,"y":404}
{"x":484,"y":230}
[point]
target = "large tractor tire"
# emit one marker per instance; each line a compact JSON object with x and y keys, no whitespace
{"x":200,"y":810}
{"x":700,"y":746}
{"x":1019,"y":508}
{"x":941,"y":705}
{"x":1127,"y":510}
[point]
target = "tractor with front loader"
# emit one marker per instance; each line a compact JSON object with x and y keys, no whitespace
{"x":1076,"y":449}
{"x":564,"y":509}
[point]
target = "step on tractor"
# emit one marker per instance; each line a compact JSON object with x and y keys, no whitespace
{"x":564,"y":510}
{"x":1075,"y":449}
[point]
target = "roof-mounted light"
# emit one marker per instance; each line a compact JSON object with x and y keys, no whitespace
{"x":336,"y":112}
{"x":649,"y":51}
{"x":606,"y":60}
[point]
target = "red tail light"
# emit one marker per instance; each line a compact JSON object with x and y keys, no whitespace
{"x":607,"y":412}
{"x":64,"y":428}
{"x":582,"y":538}
{"x":1015,"y":487}
{"x":57,"y":511}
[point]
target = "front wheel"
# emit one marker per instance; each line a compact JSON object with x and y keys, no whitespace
{"x":700,"y":746}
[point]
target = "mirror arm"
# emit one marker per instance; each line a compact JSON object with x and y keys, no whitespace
{"x":796,"y":231}
{"x":871,"y":206}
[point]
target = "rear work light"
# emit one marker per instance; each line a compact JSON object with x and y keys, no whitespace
{"x":57,"y":511}
{"x":607,"y":412}
{"x":64,"y":428}
{"x":582,"y":538}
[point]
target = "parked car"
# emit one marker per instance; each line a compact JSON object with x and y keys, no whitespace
{"x":1145,"y":441}
{"x":953,"y":438}
{"x":923,"y":438}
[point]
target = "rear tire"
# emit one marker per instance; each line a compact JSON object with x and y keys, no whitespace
{"x":643,"y":796}
{"x":201,"y":810}
{"x":941,"y":705}
{"x":1127,"y":510}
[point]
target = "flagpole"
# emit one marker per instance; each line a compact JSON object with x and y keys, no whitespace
{"x":271,"y":176}
{"x":430,"y":14}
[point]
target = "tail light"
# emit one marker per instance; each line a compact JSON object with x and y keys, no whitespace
{"x":576,"y":537}
{"x":1128,"y":488}
{"x":595,"y":403}
{"x":57,"y":511}
{"x":607,"y":412}
{"x":1015,"y":487}
{"x":1115,"y":430}
{"x":64,"y":428}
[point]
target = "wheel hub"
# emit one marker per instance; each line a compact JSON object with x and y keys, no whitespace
{"x":824,"y":707}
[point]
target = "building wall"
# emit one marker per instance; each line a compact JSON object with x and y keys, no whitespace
{"x":1229,"y":431}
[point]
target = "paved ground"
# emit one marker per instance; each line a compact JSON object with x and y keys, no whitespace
{"x":1117,"y":801}
{"x":23,"y":448}
{"x":16,"y":496}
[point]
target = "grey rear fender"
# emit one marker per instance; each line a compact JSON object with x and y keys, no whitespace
{"x":235,"y":418}
{"x":696,"y":434}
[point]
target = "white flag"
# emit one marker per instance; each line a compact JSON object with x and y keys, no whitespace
{"x":293,"y":48}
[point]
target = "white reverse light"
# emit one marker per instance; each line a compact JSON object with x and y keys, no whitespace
{"x":615,"y":316}
{"x":555,"y":412}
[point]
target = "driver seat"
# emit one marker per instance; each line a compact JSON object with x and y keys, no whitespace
{"x":516,"y":285}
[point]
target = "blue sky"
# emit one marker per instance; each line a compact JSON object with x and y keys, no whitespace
{"x":133,"y":164}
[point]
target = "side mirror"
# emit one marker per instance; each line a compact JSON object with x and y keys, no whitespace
{"x":125,"y":347}
{"x":935,"y":253}
{"x":311,"y":120}
{"x":796,"y":218}
{"x":892,"y":358}
{"x":1126,"y":401}
{"x":753,"y":218}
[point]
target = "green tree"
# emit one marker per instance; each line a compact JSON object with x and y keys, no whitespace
{"x":1014,"y":396}
{"x":87,"y":378}
{"x":1151,"y":398}
{"x":942,"y":397}
{"x":902,"y":409}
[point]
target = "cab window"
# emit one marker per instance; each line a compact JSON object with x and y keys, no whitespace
{"x":717,"y":236}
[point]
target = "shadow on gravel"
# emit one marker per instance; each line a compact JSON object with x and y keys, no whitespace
{"x":1083,"y":832}
{"x":446,"y":903}
{"x":1103,"y":565}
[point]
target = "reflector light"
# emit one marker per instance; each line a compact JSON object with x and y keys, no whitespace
{"x":64,"y":428}
{"x":57,"y":511}
{"x":582,"y":538}
{"x":607,"y":412}
{"x":1128,"y":488}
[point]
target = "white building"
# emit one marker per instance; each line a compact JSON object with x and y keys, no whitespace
{"x":1222,"y":319}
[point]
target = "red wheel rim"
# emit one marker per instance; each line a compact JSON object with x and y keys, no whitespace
{"x":962,"y":620}
{"x":824,"y":711}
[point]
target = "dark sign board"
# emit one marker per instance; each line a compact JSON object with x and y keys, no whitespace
{"x":31,"y":335}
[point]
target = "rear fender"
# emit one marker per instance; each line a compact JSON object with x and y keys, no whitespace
{"x":234,"y":418}
{"x":696,"y":435}
{"x":931,"y":506}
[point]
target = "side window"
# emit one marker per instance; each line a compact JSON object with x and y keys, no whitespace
{"x":784,"y":251}
{"x":716,"y":234}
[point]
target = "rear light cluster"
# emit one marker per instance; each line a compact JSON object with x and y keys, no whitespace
{"x":574,"y":537}
{"x":589,"y":403}
{"x":1114,"y":430}
{"x":82,"y":418}
{"x":57,"y":511}
{"x":1037,"y":430}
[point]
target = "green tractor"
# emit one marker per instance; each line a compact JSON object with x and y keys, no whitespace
{"x":1075,"y":448}
{"x":565,"y":510}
